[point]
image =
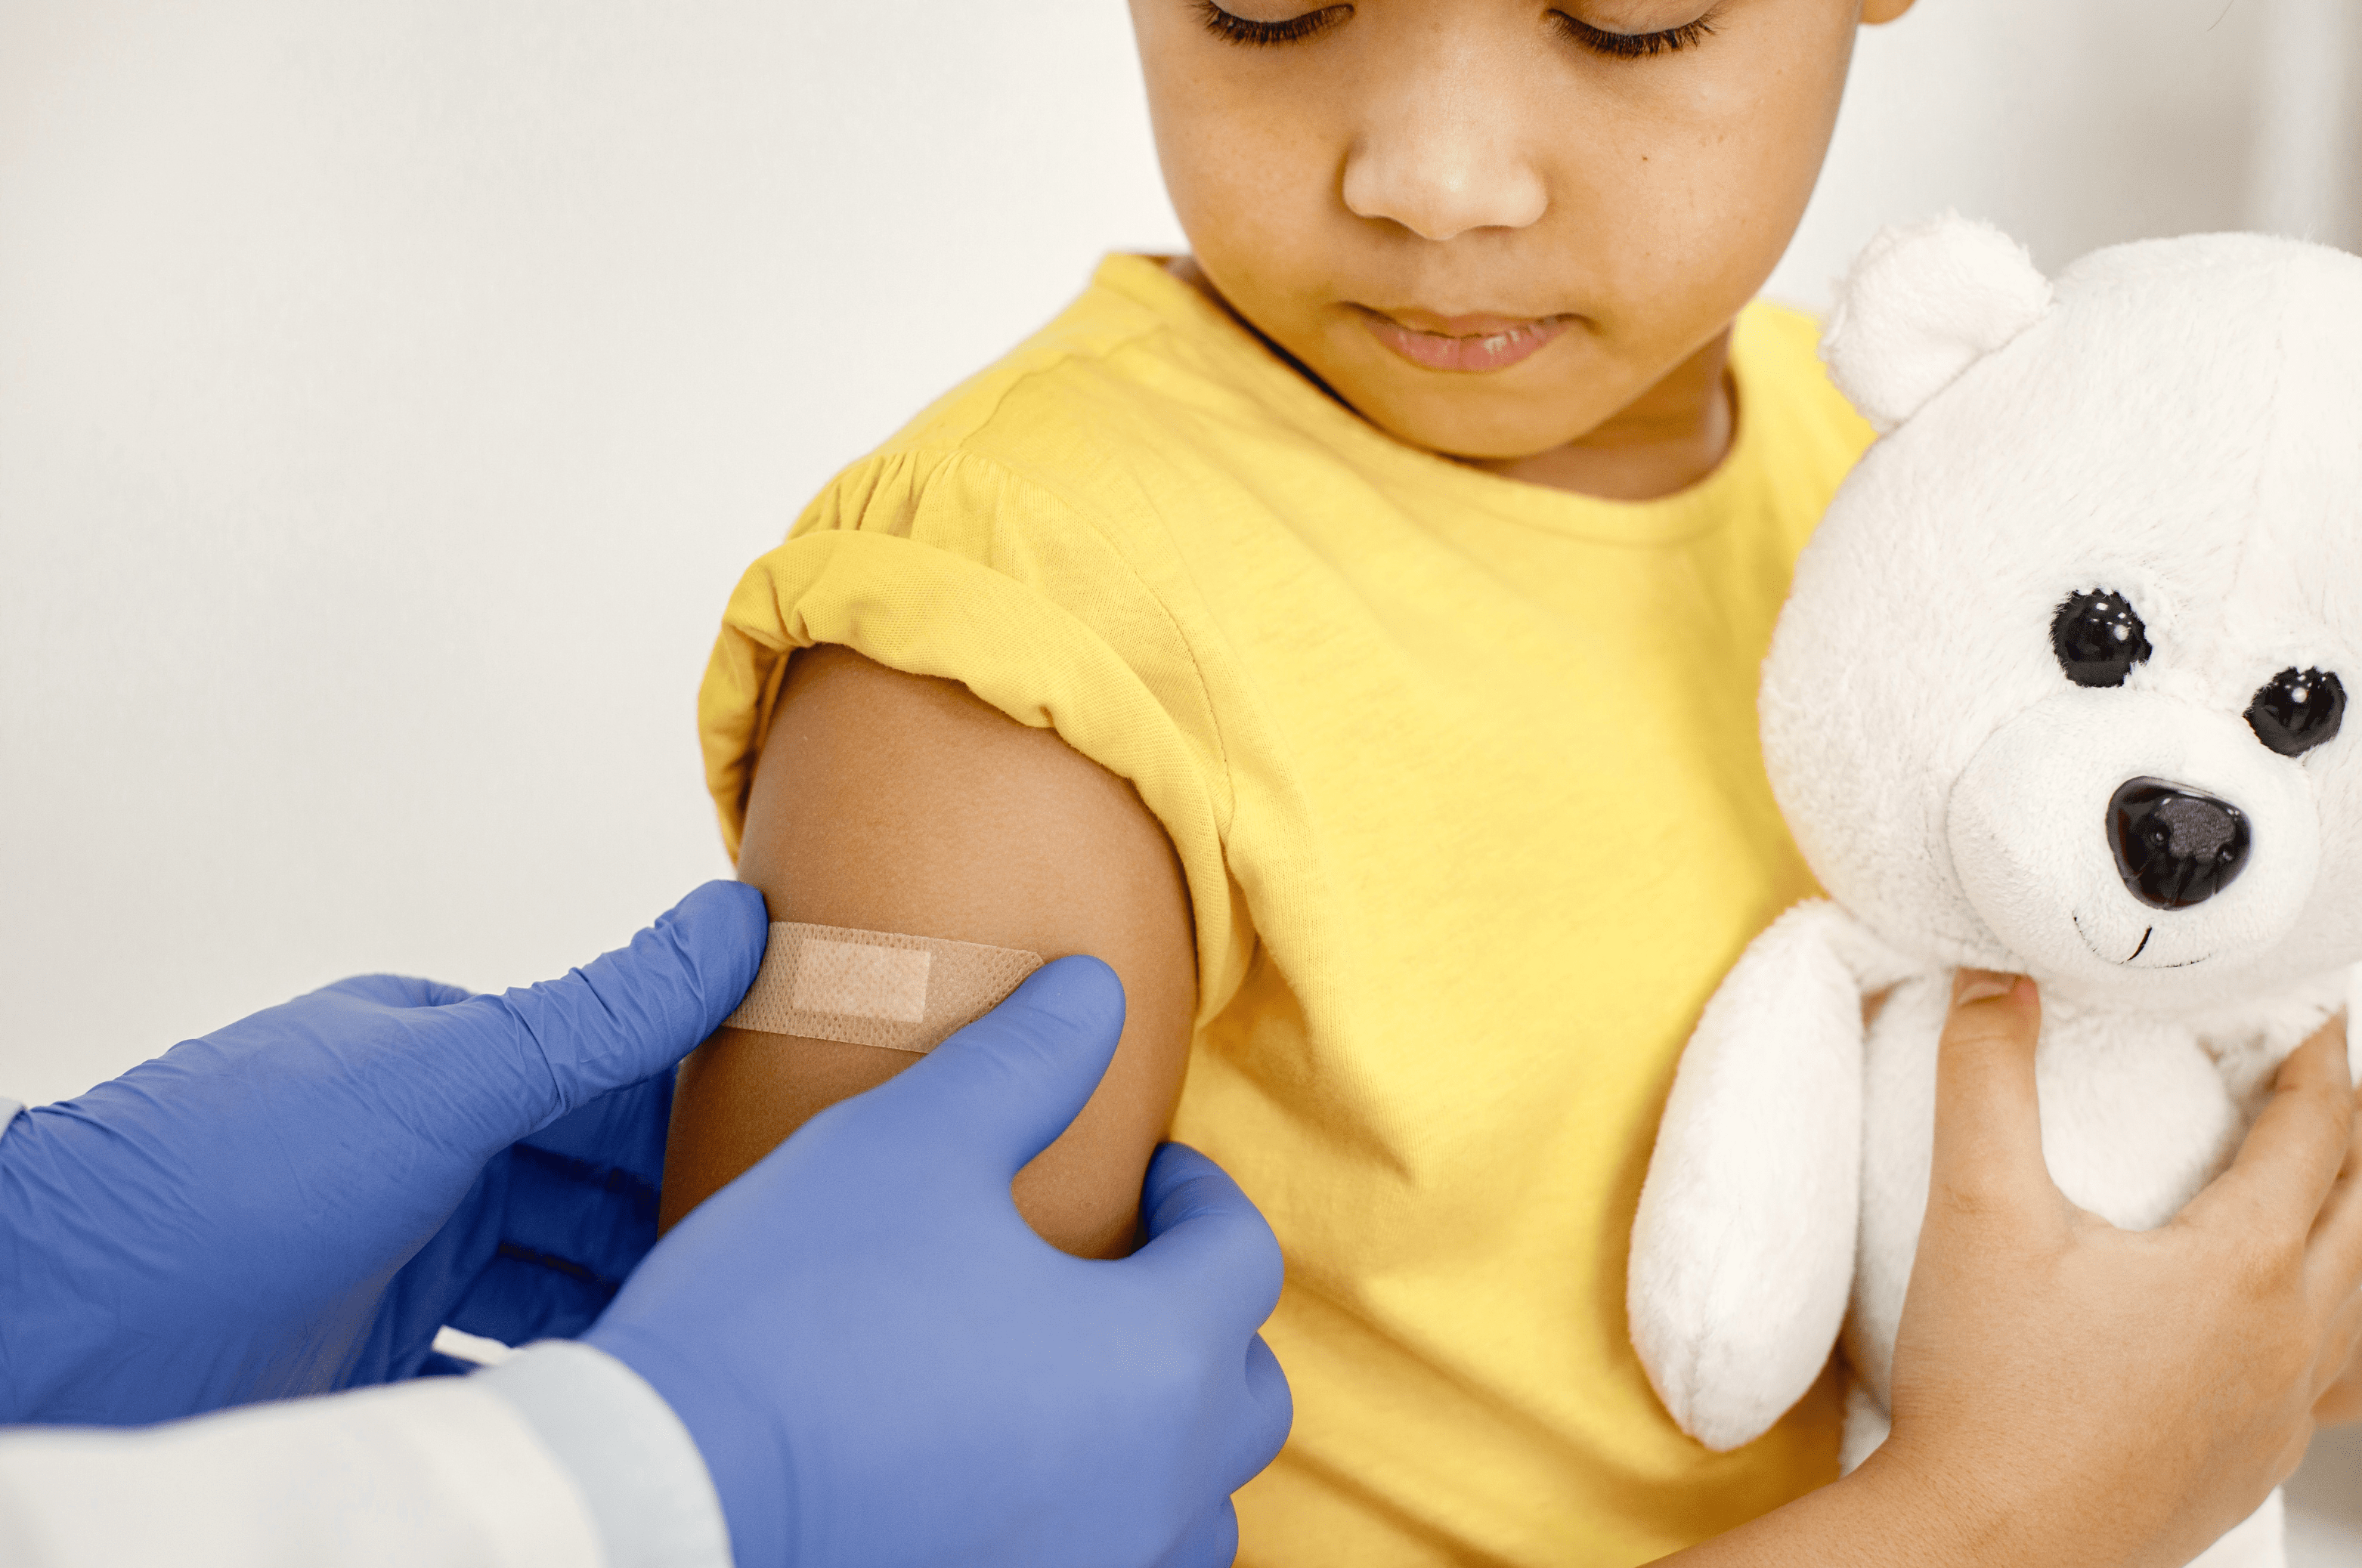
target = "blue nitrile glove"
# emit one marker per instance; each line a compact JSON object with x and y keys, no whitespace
{"x":232,"y":1220}
{"x":883,"y":1364}
{"x":541,"y":1242}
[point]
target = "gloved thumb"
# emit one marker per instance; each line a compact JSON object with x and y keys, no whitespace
{"x":1003,"y":1089}
{"x":1208,"y":1244}
{"x":626,"y":1015}
{"x":398,"y":991}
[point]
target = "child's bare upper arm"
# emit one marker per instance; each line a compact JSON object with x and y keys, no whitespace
{"x":886,"y":801}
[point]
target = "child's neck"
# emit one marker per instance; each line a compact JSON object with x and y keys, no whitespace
{"x":1665,"y":441}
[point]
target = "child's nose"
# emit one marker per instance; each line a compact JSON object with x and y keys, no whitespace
{"x":1443,"y":156}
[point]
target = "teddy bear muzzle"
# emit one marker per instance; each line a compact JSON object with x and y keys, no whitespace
{"x":2132,"y":846}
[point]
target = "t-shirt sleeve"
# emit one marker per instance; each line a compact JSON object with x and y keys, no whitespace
{"x":944,"y":563}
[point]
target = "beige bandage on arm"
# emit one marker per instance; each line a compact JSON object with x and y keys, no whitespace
{"x":876,"y":987}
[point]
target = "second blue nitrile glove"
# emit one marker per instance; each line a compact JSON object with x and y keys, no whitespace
{"x":296,"y":1202}
{"x":882,"y":1363}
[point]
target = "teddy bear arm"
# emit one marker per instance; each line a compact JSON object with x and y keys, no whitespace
{"x":1743,"y":1249}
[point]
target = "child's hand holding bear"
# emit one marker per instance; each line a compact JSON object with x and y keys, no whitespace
{"x":2062,"y":1386}
{"x":2153,"y":1384}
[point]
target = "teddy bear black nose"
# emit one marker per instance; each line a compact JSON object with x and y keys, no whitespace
{"x":2175,"y":846}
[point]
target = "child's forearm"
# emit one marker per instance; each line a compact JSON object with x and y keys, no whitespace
{"x":1901,"y":1511}
{"x":1883,"y":1516}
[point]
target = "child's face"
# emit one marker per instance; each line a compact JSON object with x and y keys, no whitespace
{"x":1492,"y":225}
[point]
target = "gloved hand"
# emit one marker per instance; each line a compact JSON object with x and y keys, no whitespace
{"x":882,"y":1364}
{"x":298,"y":1202}
{"x":539,"y":1245}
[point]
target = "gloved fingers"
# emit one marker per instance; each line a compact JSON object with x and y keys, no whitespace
{"x":424,"y":1292}
{"x":1208,"y":1250}
{"x":544,"y":1238}
{"x":1003,"y":1089}
{"x":397,"y":990}
{"x":1211,"y":1542}
{"x":1269,"y":1412}
{"x":621,"y":1132}
{"x":523,"y":1294}
{"x":574,"y":1219}
{"x":626,"y":1015}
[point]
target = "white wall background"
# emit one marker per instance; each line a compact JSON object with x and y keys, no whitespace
{"x":389,"y":393}
{"x":392,"y":390}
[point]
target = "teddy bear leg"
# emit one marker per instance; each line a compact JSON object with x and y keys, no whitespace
{"x":2259,"y":1541}
{"x":1866,"y":1426}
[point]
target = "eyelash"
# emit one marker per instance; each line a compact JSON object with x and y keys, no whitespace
{"x":1240,"y":31}
{"x":1635,"y":46}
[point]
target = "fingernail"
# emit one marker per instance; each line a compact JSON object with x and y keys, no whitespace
{"x":1981,"y":984}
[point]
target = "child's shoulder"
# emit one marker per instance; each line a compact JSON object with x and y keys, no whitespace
{"x":1142,"y":390}
{"x":1131,"y":319}
{"x":1137,"y":344}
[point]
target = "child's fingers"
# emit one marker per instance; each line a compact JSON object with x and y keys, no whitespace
{"x":1988,"y":1157}
{"x":2334,"y":1252}
{"x":2340,"y":1345}
{"x":2340,"y":1400}
{"x":2285,"y":1169}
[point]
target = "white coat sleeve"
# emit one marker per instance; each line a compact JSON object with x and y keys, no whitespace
{"x":457,"y":1472}
{"x":438,"y":1471}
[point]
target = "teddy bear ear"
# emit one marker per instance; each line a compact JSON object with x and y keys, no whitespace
{"x":1921,"y":305}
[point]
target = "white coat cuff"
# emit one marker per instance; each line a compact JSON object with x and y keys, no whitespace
{"x":646,"y":1485}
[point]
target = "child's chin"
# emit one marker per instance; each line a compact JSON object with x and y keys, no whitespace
{"x":1478,"y":416}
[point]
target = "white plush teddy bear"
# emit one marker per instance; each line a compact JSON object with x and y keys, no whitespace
{"x":2058,"y":691}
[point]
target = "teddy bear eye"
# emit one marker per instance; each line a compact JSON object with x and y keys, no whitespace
{"x":2298,"y":710}
{"x":2098,"y":638}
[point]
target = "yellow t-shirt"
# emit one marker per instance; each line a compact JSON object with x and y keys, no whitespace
{"x":1462,"y":774}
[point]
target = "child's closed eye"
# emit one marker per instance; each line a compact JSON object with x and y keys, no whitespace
{"x":1615,"y":44}
{"x":1238,"y":30}
{"x":1634,"y":45}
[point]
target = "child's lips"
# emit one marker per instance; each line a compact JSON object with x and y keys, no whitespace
{"x":1469,"y":343}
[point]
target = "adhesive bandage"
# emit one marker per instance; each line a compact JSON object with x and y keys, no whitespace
{"x":876,"y":987}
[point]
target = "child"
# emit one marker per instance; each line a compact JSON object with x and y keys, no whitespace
{"x":1351,"y":632}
